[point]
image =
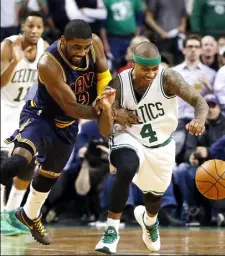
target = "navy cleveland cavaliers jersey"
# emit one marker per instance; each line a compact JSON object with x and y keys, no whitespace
{"x":82,"y":81}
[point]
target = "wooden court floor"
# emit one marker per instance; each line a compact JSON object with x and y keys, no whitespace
{"x":81,"y":241}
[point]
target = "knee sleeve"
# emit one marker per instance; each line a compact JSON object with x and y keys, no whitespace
{"x":29,"y":173}
{"x":42,"y":183}
{"x":152,"y":202}
{"x":4,"y":156}
{"x":127,"y":162}
{"x":12,"y":167}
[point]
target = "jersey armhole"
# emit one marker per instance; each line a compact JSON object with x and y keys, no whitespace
{"x":162,"y":88}
{"x":93,"y":53}
{"x":58,"y":63}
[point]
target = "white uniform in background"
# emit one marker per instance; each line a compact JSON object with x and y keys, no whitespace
{"x":23,"y":77}
{"x":151,"y":138}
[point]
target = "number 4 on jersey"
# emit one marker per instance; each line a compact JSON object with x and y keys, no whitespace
{"x":147,"y":131}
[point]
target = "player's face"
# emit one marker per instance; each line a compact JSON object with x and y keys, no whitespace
{"x":33,"y":29}
{"x":192,"y":50}
{"x":76,"y":49}
{"x":144,"y":74}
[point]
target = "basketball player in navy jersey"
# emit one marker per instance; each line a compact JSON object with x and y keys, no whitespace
{"x":72,"y":73}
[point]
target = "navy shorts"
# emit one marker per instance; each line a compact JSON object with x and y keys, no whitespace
{"x":52,"y":145}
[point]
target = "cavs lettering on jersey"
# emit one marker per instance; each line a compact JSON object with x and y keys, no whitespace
{"x":22,"y":78}
{"x":157,"y":111}
{"x":81,"y":80}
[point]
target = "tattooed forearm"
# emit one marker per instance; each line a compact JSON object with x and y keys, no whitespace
{"x":174,"y":83}
{"x":106,"y":119}
{"x":115,"y":84}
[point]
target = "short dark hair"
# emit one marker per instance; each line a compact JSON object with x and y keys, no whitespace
{"x":34,"y":14}
{"x":192,"y":37}
{"x":77,"y":29}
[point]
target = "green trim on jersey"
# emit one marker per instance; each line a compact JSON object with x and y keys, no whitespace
{"x":162,"y":89}
{"x":162,"y":144}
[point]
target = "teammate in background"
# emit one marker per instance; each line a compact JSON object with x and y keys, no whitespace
{"x":72,"y":72}
{"x":19,"y":58}
{"x":144,"y":152}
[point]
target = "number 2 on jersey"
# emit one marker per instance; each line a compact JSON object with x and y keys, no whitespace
{"x":147,"y":131}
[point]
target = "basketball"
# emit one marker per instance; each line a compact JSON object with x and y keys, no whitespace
{"x":210,"y":179}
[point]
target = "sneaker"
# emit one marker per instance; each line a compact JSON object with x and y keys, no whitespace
{"x":150,"y":235}
{"x":6,"y":228}
{"x":109,"y":241}
{"x":16,"y":223}
{"x":37,"y":229}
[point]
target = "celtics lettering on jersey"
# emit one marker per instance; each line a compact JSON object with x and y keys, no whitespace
{"x":147,"y":113}
{"x":157,"y":111}
{"x":23,"y":76}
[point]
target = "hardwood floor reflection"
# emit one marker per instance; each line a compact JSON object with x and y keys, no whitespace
{"x":81,"y":241}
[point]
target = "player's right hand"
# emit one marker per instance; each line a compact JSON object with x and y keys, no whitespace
{"x":17,"y":50}
{"x":126,"y":118}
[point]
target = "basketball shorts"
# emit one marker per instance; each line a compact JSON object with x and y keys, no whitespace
{"x":10,"y":117}
{"x":51,"y":145}
{"x":155,"y":164}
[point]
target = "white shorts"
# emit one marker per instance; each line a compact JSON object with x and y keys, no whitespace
{"x":156,"y":164}
{"x":9,"y":123}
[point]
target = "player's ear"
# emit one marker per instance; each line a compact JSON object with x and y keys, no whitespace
{"x":63,"y":40}
{"x":22,"y":27}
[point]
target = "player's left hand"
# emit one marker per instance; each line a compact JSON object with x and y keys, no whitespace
{"x":196,"y":127}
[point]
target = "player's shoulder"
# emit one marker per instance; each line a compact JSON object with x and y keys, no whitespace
{"x":97,"y":45}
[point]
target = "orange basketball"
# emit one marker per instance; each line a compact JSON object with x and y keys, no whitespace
{"x":210,"y":179}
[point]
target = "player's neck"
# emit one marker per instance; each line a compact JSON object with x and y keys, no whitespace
{"x":26,"y":43}
{"x":140,"y":89}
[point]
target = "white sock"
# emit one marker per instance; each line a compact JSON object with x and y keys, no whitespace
{"x":15,"y":199}
{"x":113,"y":223}
{"x":2,"y":197}
{"x":34,"y":202}
{"x":149,"y":221}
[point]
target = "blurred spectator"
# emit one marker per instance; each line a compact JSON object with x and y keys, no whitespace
{"x":209,"y":55}
{"x":25,"y":6}
{"x":198,"y":76}
{"x":217,"y":150}
{"x":208,"y":17}
{"x":9,"y":20}
{"x":126,"y":61}
{"x":123,"y":22}
{"x":198,"y":150}
{"x":58,"y":13}
{"x":219,"y":86}
{"x":221,"y":43}
{"x":92,"y":11}
{"x":168,"y":23}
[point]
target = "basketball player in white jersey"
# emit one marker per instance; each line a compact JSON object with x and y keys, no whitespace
{"x":19,"y":58}
{"x":144,"y":152}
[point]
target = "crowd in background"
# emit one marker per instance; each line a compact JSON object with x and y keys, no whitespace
{"x":190,"y":35}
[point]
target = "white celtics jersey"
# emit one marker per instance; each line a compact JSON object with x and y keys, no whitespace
{"x":23,"y":77}
{"x":158,"y":112}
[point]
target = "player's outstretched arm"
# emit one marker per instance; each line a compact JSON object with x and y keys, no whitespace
{"x":112,"y":112}
{"x":52,"y":77}
{"x":174,"y":83}
{"x":109,"y":109}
